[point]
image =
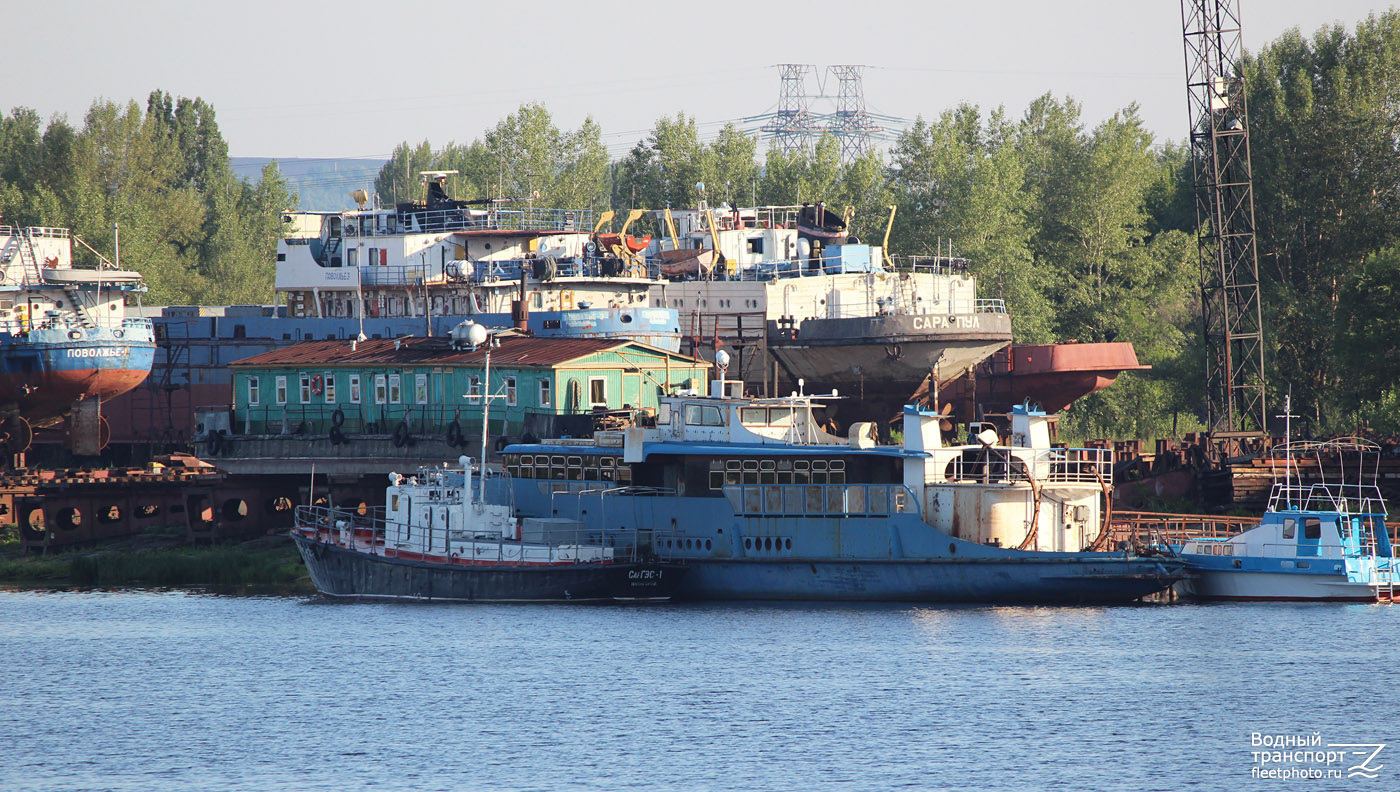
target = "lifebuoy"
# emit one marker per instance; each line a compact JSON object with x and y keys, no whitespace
{"x":338,"y":418}
{"x":318,"y":384}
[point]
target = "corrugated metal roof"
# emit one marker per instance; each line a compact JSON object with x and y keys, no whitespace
{"x":513,"y":351}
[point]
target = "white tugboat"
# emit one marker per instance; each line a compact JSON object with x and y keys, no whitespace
{"x":438,"y":538}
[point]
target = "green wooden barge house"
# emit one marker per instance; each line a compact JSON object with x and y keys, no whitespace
{"x":412,"y":387}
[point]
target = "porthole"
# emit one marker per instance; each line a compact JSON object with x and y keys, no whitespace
{"x":748,"y":543}
{"x":952,"y":548}
{"x":707,"y":544}
{"x":788,"y":543}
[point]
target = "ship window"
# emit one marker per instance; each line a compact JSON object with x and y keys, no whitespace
{"x":733,"y":471}
{"x":510,"y":391}
{"x":380,"y":389}
{"x":395,"y":394}
{"x":537,"y":301}
{"x":703,"y":415}
{"x":750,"y":471}
{"x":473,"y":389}
{"x":352,"y":258}
{"x":838,"y":471}
{"x":1312,"y":529}
{"x":512,"y":462}
{"x":756,"y":245}
{"x":801,"y":472}
{"x":784,"y":471}
{"x":575,"y":468}
{"x":328,"y":386}
{"x":305,"y":381}
{"x":420,"y":388}
{"x":819,"y":471}
{"x":354,"y":388}
{"x":544,"y":393}
{"x":254,"y":386}
{"x":557,"y":469}
{"x":1290,"y":528}
{"x":281,"y":390}
{"x":766,"y":472}
{"x":624,"y":474}
{"x":753,"y":415}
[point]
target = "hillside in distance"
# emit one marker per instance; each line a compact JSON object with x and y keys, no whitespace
{"x":323,"y":184}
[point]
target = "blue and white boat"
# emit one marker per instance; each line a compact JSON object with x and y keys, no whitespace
{"x":762,"y":502}
{"x":66,"y":342}
{"x":1321,"y":541}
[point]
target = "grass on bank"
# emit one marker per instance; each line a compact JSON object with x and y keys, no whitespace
{"x":268,"y":562}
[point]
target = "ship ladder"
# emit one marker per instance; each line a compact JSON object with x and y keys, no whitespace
{"x":27,"y":257}
{"x":79,"y":308}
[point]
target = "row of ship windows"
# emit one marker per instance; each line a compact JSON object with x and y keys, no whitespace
{"x":388,"y":389}
{"x":776,"y":471}
{"x":685,"y":544}
{"x":567,"y":468}
{"x":680,"y":303}
{"x":767,"y":544}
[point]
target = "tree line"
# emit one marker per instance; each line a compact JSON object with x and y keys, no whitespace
{"x":1087,"y":231}
{"x":162,"y":176}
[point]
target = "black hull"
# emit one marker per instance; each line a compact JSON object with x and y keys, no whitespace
{"x":340,"y":572}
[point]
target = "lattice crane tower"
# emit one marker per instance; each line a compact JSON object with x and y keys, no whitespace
{"x":1231,"y":320}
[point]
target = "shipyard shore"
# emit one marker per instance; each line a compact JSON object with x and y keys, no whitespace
{"x":265,"y":565}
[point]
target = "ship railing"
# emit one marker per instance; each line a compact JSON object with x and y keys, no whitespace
{"x":937,"y":265}
{"x":827,"y":500}
{"x":494,"y":219}
{"x":990,"y":306}
{"x":1161,"y":528}
{"x":373,"y":533}
{"x":45,"y":232}
{"x":1345,"y":499}
{"x":1000,"y":465}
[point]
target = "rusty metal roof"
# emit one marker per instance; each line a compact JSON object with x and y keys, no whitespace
{"x":514,"y":351}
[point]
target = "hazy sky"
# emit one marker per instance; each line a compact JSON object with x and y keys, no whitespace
{"x":313,"y":79}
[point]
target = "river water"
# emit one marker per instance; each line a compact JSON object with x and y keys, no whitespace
{"x":154,"y":691}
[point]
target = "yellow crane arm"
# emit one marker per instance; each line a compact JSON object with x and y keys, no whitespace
{"x":885,"y":245}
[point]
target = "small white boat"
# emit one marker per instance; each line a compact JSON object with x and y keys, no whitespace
{"x":1322,"y":541}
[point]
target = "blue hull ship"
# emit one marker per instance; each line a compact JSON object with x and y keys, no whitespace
{"x":66,"y":345}
{"x":762,"y":502}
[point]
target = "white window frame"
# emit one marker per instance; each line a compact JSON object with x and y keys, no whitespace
{"x":591,"y":403}
{"x":474,"y":389}
{"x":304,"y":380}
{"x":420,"y":388}
{"x":546,"y":393}
{"x":281,"y":389}
{"x":510,"y":391}
{"x":254,"y":391}
{"x":354,"y":388}
{"x":381,"y":389}
{"x":395,"y":389}
{"x":328,"y":386}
